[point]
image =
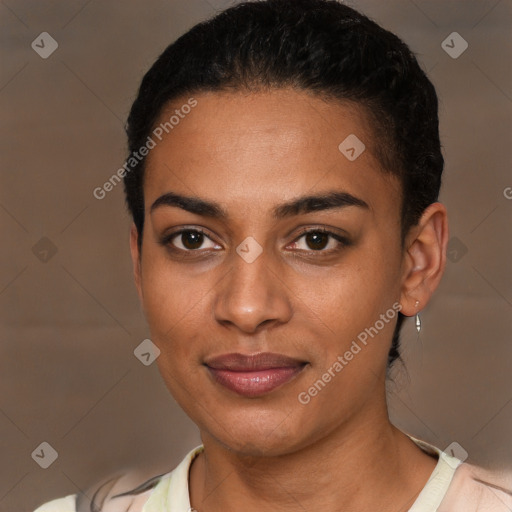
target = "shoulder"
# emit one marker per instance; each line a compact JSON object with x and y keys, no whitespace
{"x":67,"y":504}
{"x":127,"y":491}
{"x":474,"y":488}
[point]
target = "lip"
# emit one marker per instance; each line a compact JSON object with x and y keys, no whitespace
{"x":253,"y":375}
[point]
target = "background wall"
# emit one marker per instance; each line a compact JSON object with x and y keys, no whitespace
{"x":70,"y":317}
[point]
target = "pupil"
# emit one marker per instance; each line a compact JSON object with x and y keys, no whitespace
{"x":317,"y":240}
{"x":192,"y":239}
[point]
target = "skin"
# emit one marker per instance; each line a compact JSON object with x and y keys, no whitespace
{"x":250,"y":152}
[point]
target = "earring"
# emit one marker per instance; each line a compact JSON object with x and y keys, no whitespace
{"x":417,"y":320}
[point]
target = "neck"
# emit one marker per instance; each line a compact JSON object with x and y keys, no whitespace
{"x":366,"y":466}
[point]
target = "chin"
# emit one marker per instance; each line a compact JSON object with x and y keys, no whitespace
{"x":259,"y":446}
{"x":260,"y":433}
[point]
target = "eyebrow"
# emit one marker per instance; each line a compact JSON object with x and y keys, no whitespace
{"x":302,"y":205}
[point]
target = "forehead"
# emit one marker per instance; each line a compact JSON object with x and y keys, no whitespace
{"x":241,"y":147}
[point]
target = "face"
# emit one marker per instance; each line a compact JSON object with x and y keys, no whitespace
{"x":266,"y":254}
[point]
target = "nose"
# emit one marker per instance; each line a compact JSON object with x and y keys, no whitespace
{"x":252,"y":295}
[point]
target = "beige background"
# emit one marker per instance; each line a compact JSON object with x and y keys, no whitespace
{"x":70,"y":324}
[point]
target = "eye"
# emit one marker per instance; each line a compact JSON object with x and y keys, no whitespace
{"x":311,"y":240}
{"x":189,"y":240}
{"x":320,"y":240}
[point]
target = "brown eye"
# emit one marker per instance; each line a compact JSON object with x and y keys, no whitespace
{"x":189,"y":240}
{"x":321,"y":241}
{"x":192,"y":239}
{"x":317,"y":240}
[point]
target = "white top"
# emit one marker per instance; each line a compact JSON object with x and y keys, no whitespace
{"x":453,"y":486}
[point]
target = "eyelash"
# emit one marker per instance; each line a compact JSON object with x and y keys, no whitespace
{"x":343,"y":241}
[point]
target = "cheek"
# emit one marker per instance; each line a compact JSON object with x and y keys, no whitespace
{"x":172,"y":300}
{"x":359,"y":305}
{"x":365,"y":286}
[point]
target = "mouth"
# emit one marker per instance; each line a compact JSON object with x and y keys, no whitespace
{"x":253,"y":375}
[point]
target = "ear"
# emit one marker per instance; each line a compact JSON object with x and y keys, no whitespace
{"x":425,"y":259}
{"x":136,"y":260}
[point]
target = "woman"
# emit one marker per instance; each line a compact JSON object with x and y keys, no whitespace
{"x":283,"y":178}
